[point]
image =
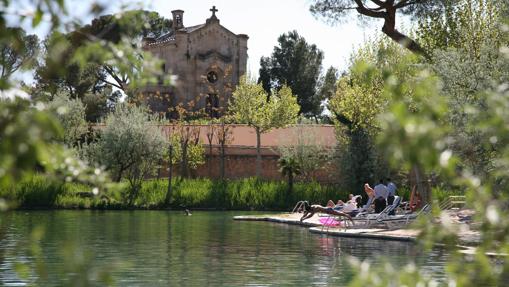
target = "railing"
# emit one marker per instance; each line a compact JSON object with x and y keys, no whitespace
{"x":299,"y":206}
{"x":453,"y":201}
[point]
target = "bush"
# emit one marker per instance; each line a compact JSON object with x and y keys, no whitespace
{"x":130,"y":146}
{"x":37,"y":192}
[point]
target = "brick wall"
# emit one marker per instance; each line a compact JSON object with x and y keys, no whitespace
{"x":240,"y":162}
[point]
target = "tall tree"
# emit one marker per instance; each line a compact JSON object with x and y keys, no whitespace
{"x":130,"y":26}
{"x":358,"y":102}
{"x":328,"y":85}
{"x":466,"y":25}
{"x":65,"y":52}
{"x":16,"y":51}
{"x":297,"y":64}
{"x":250,"y":106}
{"x":385,"y":10}
{"x":465,"y":44}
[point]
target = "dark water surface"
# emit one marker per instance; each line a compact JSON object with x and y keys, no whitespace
{"x":160,"y":248}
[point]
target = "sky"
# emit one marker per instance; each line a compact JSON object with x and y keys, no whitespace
{"x":262,"y":20}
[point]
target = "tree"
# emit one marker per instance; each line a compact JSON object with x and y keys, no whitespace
{"x":188,"y":150}
{"x":290,"y":167}
{"x":71,"y":115}
{"x":72,"y":64}
{"x":129,"y":26}
{"x":224,"y":136}
{"x":210,"y":132}
{"x":328,"y":84}
{"x":129,"y":145}
{"x":464,"y":42}
{"x":378,"y":9}
{"x":250,"y":106}
{"x":305,"y":147}
{"x":463,"y":25}
{"x":357,"y":104}
{"x":298,"y":65}
{"x":58,"y":73}
{"x":18,"y":51}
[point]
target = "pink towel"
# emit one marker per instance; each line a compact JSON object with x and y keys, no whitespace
{"x":329,"y":221}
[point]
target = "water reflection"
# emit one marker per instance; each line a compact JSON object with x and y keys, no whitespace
{"x":208,"y":248}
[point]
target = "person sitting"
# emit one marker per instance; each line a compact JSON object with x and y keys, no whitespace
{"x":352,"y":206}
{"x":370,"y":192}
{"x":310,"y":210}
{"x":380,"y":196}
{"x":340,"y":203}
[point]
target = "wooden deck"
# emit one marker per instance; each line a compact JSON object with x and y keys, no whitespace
{"x":314,"y":225}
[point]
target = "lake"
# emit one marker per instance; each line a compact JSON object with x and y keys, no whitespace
{"x":161,"y":248}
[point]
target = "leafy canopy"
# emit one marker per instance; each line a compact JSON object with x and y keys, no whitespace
{"x":298,"y":65}
{"x":250,"y":106}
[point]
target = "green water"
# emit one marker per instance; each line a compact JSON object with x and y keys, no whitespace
{"x":159,"y":248}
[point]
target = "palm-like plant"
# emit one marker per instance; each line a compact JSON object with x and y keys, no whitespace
{"x":290,"y":167}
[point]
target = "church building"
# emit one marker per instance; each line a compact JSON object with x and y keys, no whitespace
{"x":207,"y":60}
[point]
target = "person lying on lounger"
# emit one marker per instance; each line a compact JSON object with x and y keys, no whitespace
{"x":310,"y":210}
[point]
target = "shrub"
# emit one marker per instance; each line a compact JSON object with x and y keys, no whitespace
{"x":130,"y":146}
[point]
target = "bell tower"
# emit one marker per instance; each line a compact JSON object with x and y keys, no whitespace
{"x":178,"y":19}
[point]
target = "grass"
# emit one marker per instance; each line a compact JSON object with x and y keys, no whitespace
{"x":242,"y":194}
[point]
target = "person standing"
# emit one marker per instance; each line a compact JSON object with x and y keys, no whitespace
{"x":381,"y":195}
{"x":391,"y":190}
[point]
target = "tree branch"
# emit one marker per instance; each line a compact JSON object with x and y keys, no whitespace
{"x":404,"y":3}
{"x":368,"y":12}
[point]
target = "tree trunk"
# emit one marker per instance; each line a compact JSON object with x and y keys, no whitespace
{"x":183,"y":167}
{"x":258,"y":153}
{"x":290,"y":183}
{"x":210,"y":160}
{"x":389,"y":29}
{"x":159,"y":169}
{"x":118,"y":177}
{"x":221,"y":161}
{"x":423,"y":187}
{"x":170,"y":174}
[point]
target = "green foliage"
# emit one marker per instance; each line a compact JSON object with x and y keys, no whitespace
{"x":242,"y":194}
{"x":336,"y":10}
{"x":250,"y":105}
{"x":464,"y":25}
{"x":71,"y":115}
{"x":421,"y":137}
{"x":37,"y":191}
{"x":59,"y":73}
{"x":305,"y":149}
{"x":328,"y":85}
{"x":129,"y":145}
{"x":17,"y":51}
{"x":72,"y":63}
{"x":297,"y":64}
{"x":358,"y":102}
{"x":187,"y":149}
{"x":25,"y":136}
{"x":465,"y":42}
{"x":290,"y":167}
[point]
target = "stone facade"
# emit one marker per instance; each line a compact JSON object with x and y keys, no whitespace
{"x":207,"y":59}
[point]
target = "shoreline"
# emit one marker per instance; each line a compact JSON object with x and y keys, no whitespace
{"x":314,"y":226}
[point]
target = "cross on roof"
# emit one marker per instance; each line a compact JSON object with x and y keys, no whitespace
{"x":213,"y":10}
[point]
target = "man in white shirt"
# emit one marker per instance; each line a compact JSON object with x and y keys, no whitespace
{"x":391,"y":189}
{"x":381,"y":195}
